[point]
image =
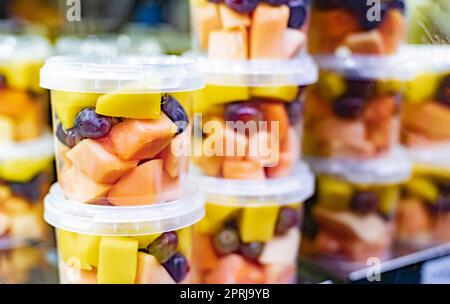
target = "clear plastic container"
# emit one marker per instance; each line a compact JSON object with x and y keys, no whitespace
{"x":26,"y":173}
{"x":124,"y":245}
{"x":351,"y":217}
{"x":122,"y":126}
{"x":249,"y":117}
{"x":23,"y":104}
{"x":426,"y":110}
{"x":250,"y":233}
{"x":357,"y":27}
{"x":353,"y":110}
{"x":230,"y":29}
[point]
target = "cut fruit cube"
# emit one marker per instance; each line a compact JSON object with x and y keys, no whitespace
{"x":393,"y":30}
{"x":215,"y":95}
{"x":234,"y":269}
{"x":412,"y":218}
{"x":174,"y":153}
{"x":257,"y":224}
{"x":422,"y":88}
{"x":150,"y":271}
{"x":276,"y":113}
{"x":242,"y":169}
{"x":232,"y":19}
{"x":389,"y":197}
{"x":289,"y":155}
{"x":206,"y":19}
{"x":204,"y":255}
{"x":171,"y":188}
{"x":331,"y":85}
{"x":72,"y":275}
{"x":23,"y":170}
{"x":236,"y":42}
{"x":117,"y":262}
{"x":424,"y":188}
{"x":6,"y":129}
{"x":334,"y":193}
{"x":98,"y":163}
{"x":137,"y":106}
{"x":77,"y":250}
{"x":282,"y":249}
{"x":429,"y":117}
{"x":14,"y":103}
{"x":185,"y":241}
{"x":365,"y":43}
{"x":294,"y":41}
{"x":264,"y":148}
{"x":145,"y":240}
{"x":280,"y":273}
{"x":211,"y":166}
{"x":285,"y":93}
{"x":219,"y":214}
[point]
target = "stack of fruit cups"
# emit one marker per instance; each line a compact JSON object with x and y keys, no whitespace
{"x":122,"y":132}
{"x":250,"y":234}
{"x":351,"y":217}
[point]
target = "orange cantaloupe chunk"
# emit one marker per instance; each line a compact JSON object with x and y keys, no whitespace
{"x":280,"y":273}
{"x":267,"y":32}
{"x":210,"y":165}
{"x":97,"y":163}
{"x":206,"y":19}
{"x":276,"y":113}
{"x":141,"y":186}
{"x":393,"y":30}
{"x":294,"y":41}
{"x":176,"y":155}
{"x":264,"y":148}
{"x":72,"y":275}
{"x":14,"y":103}
{"x":234,"y":269}
{"x":242,"y":169}
{"x":289,"y":155}
{"x":365,"y":43}
{"x":232,"y":19}
{"x":150,"y":271}
{"x":412,"y":218}
{"x":171,"y":188}
{"x":203,"y":253}
{"x":79,"y":187}
{"x":228,"y":44}
{"x":138,"y":139}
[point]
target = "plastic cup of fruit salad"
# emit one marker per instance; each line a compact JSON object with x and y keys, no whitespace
{"x":23,"y":104}
{"x":356,"y":27}
{"x":353,"y":110}
{"x":249,"y":117}
{"x":149,"y":244}
{"x":249,"y":29}
{"x":26,"y":173}
{"x":426,"y":110}
{"x":122,"y":126}
{"x":251,"y":231}
{"x":351,"y":217}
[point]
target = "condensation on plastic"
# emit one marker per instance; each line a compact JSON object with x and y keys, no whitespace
{"x":36,"y":148}
{"x":438,"y":157}
{"x":392,"y":169}
{"x":23,"y":47}
{"x":428,"y":58}
{"x":123,"y":221}
{"x":121,"y":74}
{"x":282,"y":191}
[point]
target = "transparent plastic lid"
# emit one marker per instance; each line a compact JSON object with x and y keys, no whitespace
{"x":124,"y":221}
{"x":126,"y":74}
{"x":23,"y":47}
{"x":41,"y":147}
{"x":428,"y":58}
{"x":260,"y":73}
{"x":433,"y":157}
{"x":293,"y":189}
{"x":395,"y":67}
{"x":391,"y":169}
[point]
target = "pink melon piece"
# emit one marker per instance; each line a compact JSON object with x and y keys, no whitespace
{"x":365,"y":43}
{"x":232,"y":19}
{"x":171,"y":188}
{"x":141,"y":186}
{"x":280,"y":273}
{"x":294,"y":41}
{"x":267,"y":32}
{"x":242,"y":169}
{"x":149,"y":271}
{"x":203,"y":253}
{"x":264,"y":148}
{"x":206,"y":19}
{"x":175,"y":155}
{"x":290,"y":153}
{"x":228,"y":44}
{"x":282,"y":249}
{"x":234,"y":269}
{"x":72,"y":275}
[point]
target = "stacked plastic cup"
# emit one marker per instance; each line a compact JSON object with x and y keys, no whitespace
{"x":122,"y":208}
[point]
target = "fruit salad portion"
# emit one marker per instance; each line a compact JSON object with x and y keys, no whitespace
{"x":426,"y":111}
{"x":163,"y":258}
{"x":356,"y":26}
{"x":237,"y":244}
{"x":349,"y":222}
{"x":250,"y":133}
{"x":121,"y":149}
{"x":351,"y":117}
{"x":423,"y":216}
{"x":250,"y":29}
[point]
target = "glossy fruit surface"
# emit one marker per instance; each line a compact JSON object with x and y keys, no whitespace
{"x":174,"y":110}
{"x":178,"y":267}
{"x":242,"y":6}
{"x":251,"y":250}
{"x":164,"y":247}
{"x":89,"y":124}
{"x":349,"y":107}
{"x":244,"y":112}
{"x":287,"y":218}
{"x":70,"y":137}
{"x":297,"y":13}
{"x":365,"y":202}
{"x":226,"y":241}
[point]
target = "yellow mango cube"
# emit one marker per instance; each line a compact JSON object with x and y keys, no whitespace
{"x":88,"y":246}
{"x":138,"y":106}
{"x":185,"y":241}
{"x":257,"y":223}
{"x":285,"y":93}
{"x":20,"y":170}
{"x":145,"y":240}
{"x":215,"y":95}
{"x":69,"y":250}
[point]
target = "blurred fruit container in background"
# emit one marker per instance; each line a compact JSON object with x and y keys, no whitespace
{"x":122,"y":126}
{"x":26,"y":172}
{"x":124,"y":245}
{"x":250,"y":233}
{"x":249,"y":29}
{"x":356,"y":27}
{"x":251,"y":121}
{"x":351,"y":217}
{"x":23,"y":104}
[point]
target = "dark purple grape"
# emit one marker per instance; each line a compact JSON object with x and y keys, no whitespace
{"x":242,"y":6}
{"x":349,"y":107}
{"x":364,"y":202}
{"x":442,"y":205}
{"x":445,"y":188}
{"x":251,"y":250}
{"x":328,"y":4}
{"x":174,"y":110}
{"x":364,"y":88}
{"x":309,"y":226}
{"x":244,"y":112}
{"x":30,"y":190}
{"x":443,"y":92}
{"x":297,"y":13}
{"x":89,"y":124}
{"x":397,"y":4}
{"x":295,"y":112}
{"x":287,"y":218}
{"x":2,"y":82}
{"x":178,"y":267}
{"x":357,"y":5}
{"x":164,"y":247}
{"x":276,"y":2}
{"x":226,"y":241}
{"x":70,"y":137}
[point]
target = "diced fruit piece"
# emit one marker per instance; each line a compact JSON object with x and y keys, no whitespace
{"x":185,"y":241}
{"x":294,"y":41}
{"x":89,"y":124}
{"x":242,"y":169}
{"x":171,"y":188}
{"x":389,"y":196}
{"x":70,"y":251}
{"x":267,"y":31}
{"x":276,"y":113}
{"x":204,"y":255}
{"x":430,"y":118}
{"x":206,"y":20}
{"x":141,"y":139}
{"x":78,"y":187}
{"x":393,"y":30}
{"x":150,"y":271}
{"x":13,"y":103}
{"x":145,"y":240}
{"x":243,"y":112}
{"x":226,"y":241}
{"x":280,"y":273}
{"x":236,"y":41}
{"x":117,"y":262}
{"x":219,"y":214}
{"x":174,"y":110}
{"x":334,"y":193}
{"x":215,"y":95}
{"x":412,"y":218}
{"x":282,"y":249}
{"x":365,"y":202}
{"x":290,"y":153}
{"x":178,"y":267}
{"x":297,"y":13}
{"x":285,"y":93}
{"x":164,"y":247}
{"x":234,"y":269}
{"x":69,"y":137}
{"x":252,"y":250}
{"x":258,"y":223}
{"x":422,"y":88}
{"x":6,"y":129}
{"x":242,"y":6}
{"x":72,"y":275}
{"x":68,"y":104}
{"x":365,"y":43}
{"x":23,"y":170}
{"x":141,"y":186}
{"x":231,"y":19}
{"x":287,"y":218}
{"x":424,"y":188}
{"x":264,"y":148}
{"x":211,"y":166}
{"x":97,"y":163}
{"x":131,"y":105}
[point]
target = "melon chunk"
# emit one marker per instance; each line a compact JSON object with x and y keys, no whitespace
{"x":258,"y":223}
{"x":431,"y":118}
{"x":236,"y":42}
{"x":6,"y":129}
{"x":289,"y":155}
{"x":138,"y":106}
{"x":136,"y":139}
{"x":294,"y":41}
{"x":97,"y":163}
{"x":171,"y":188}
{"x":204,"y":255}
{"x":282,"y":249}
{"x":242,"y":169}
{"x":264,"y":148}
{"x":232,"y":19}
{"x":72,"y":275}
{"x":117,"y":263}
{"x":280,"y":273}
{"x":365,"y":43}
{"x":206,"y":19}
{"x":393,"y":30}
{"x":141,"y":186}
{"x":175,"y":153}
{"x":267,"y":32}
{"x":234,"y":269}
{"x":276,"y":113}
{"x":150,"y":271}
{"x":211,"y":166}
